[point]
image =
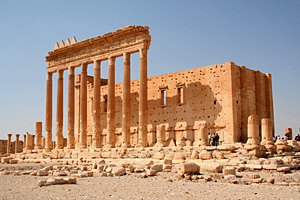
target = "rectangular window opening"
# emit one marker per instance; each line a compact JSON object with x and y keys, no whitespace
{"x":180,"y":96}
{"x":163,"y":97}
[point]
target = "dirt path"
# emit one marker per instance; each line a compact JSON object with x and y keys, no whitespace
{"x":133,"y":187}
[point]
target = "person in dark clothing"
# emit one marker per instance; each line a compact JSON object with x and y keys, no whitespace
{"x":217,"y":137}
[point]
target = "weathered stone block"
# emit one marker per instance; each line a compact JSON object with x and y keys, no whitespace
{"x":119,"y":171}
{"x":229,"y":171}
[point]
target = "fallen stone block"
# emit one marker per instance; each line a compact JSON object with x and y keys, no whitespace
{"x":253,"y":167}
{"x":218,"y":155}
{"x":159,"y":155}
{"x":59,"y":173}
{"x":13,"y":161}
{"x":229,"y":171}
{"x":195,"y":154}
{"x":270,"y":167}
{"x":143,"y":175}
{"x":150,"y":172}
{"x":282,"y":184}
{"x":211,"y":167}
{"x":167,"y":161}
{"x":34,"y":173}
{"x":270,"y":180}
{"x":254,"y":176}
{"x":119,"y":171}
{"x":157,"y":168}
{"x":139,"y":170}
{"x":41,"y":183}
{"x":87,"y":174}
{"x":42,"y":173}
{"x":205,"y":155}
{"x":257,"y":180}
{"x":284,"y":169}
{"x":187,"y":168}
{"x":5,"y":160}
{"x":56,"y":181}
{"x":167,"y":168}
{"x":5,"y":173}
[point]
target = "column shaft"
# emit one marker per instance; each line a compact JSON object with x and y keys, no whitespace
{"x":143,"y":99}
{"x":17,"y":143}
{"x":38,"y":135}
{"x":126,"y":102}
{"x":83,"y":106}
{"x":71,"y":103}
{"x":77,"y":118}
{"x":9,"y":144}
{"x":48,"y":123}
{"x":24,"y":143}
{"x":96,"y":105}
{"x":59,"y":109}
{"x":111,"y":103}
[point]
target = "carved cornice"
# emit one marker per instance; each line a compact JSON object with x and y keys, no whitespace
{"x":163,"y":87}
{"x":121,"y":34}
{"x":180,"y":85}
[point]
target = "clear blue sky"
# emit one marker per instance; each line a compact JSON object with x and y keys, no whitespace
{"x":262,"y":35}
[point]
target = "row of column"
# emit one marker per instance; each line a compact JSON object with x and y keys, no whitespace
{"x":96,"y":105}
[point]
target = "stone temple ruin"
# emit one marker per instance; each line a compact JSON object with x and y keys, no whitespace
{"x":169,"y":115}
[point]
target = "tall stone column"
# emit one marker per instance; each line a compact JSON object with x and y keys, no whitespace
{"x":25,"y":141}
{"x":83,"y":106}
{"x":126,"y":102}
{"x":267,"y":131}
{"x":17,"y":143}
{"x":111,"y":103}
{"x":77,"y":116}
{"x":253,"y":130}
{"x":71,"y":103}
{"x":38,"y":135}
{"x":43,"y":142}
{"x":59,"y":109}
{"x":143,"y":120}
{"x":28,"y":145}
{"x":9,"y":143}
{"x":267,"y":134}
{"x":253,"y":147}
{"x":48,"y":123}
{"x":96,"y":105}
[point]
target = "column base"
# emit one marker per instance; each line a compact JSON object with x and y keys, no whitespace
{"x":125,"y":145}
{"x":143,"y":144}
{"x":109,"y":146}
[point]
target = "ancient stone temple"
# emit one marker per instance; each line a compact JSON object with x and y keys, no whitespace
{"x":170,"y":109}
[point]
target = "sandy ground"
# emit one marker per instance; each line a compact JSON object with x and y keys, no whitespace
{"x":133,"y":187}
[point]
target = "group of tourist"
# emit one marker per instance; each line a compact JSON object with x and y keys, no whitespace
{"x":213,"y":139}
{"x":275,"y":138}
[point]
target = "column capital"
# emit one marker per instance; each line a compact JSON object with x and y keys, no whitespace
{"x":84,"y":66}
{"x":9,"y":135}
{"x":17,"y":135}
{"x":97,"y":64}
{"x":125,"y":54}
{"x":143,"y":53}
{"x":60,"y":73}
{"x":111,"y":59}
{"x":71,"y":69}
{"x":49,"y":75}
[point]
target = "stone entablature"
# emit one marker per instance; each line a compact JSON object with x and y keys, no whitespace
{"x":128,"y":39}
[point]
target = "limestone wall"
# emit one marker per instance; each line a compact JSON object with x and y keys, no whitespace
{"x":222,"y":95}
